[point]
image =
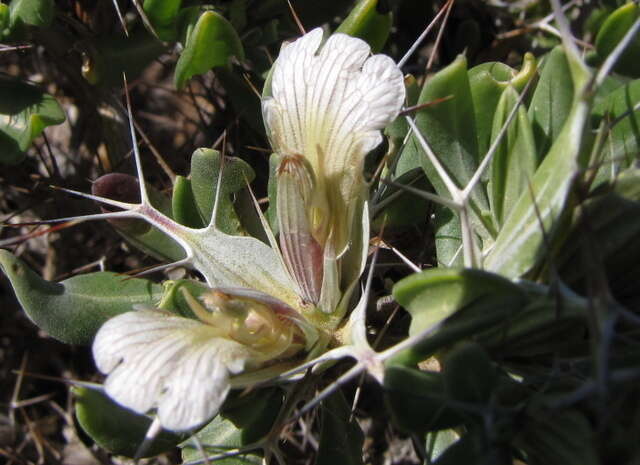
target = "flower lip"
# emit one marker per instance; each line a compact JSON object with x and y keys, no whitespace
{"x":180,"y":367}
{"x":328,"y":104}
{"x":338,"y":88}
{"x":177,"y":367}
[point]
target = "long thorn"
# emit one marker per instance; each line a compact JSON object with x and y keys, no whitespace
{"x":97,"y":198}
{"x":494,"y":146}
{"x":341,"y":381}
{"x":454,"y":190}
{"x":150,"y":435}
{"x":155,"y":269}
{"x":422,"y":36}
{"x":436,"y":45}
{"x":567,"y":37}
{"x":296,"y":18}
{"x":425,"y":195}
{"x":144,"y":196}
{"x":421,"y":106}
{"x":120,"y":17}
{"x":217,"y":200}
{"x":406,"y":261}
{"x":161,"y":161}
{"x":67,"y":222}
{"x":145,"y":19}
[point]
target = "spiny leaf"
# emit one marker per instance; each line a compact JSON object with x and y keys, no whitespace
{"x":205,"y":171}
{"x":539,"y":212}
{"x":515,"y":159}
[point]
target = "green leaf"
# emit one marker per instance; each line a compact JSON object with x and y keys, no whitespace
{"x":162,"y":15}
{"x":448,"y":237}
{"x":488,"y":81}
{"x":174,"y":301}
{"x":448,"y":305}
{"x":398,"y":208}
{"x":73,"y":310}
{"x":434,"y":295}
{"x":253,"y":412}
{"x":183,"y":202}
{"x":552,"y":100}
{"x":217,"y":438}
{"x":398,"y":129}
{"x":611,"y":33}
{"x":622,"y":147}
{"x":24,"y":113}
{"x":31,"y":12}
{"x":417,"y":400}
{"x":449,"y":128}
{"x":596,"y":17}
{"x":366,"y":22}
{"x":439,"y":441}
{"x":205,"y":169}
{"x":448,"y":125}
{"x":515,"y":160}
{"x":469,"y":375}
{"x":244,"y":419}
{"x":538,"y":216}
{"x":547,"y":324}
{"x":341,"y":440}
{"x":211,"y":42}
{"x":115,"y":428}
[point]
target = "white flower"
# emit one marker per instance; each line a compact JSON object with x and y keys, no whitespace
{"x":177,"y":366}
{"x":326,"y":109}
{"x":180,"y":367}
{"x":325,"y":113}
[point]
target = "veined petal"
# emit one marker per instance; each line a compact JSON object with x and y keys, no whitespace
{"x":333,"y":99}
{"x":177,"y":366}
{"x":329,"y":105}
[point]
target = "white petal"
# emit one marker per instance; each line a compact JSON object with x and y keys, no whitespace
{"x":330,"y":97}
{"x":178,"y":366}
{"x":330,"y":105}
